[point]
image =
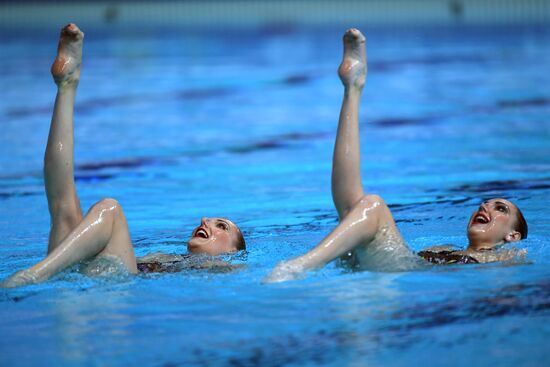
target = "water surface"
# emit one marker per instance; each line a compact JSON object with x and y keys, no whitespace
{"x":178,"y":124}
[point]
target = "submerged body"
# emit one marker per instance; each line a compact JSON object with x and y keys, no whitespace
{"x":173,"y":263}
{"x":367,"y":236}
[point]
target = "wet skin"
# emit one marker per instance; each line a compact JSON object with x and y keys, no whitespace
{"x":366,"y":226}
{"x":214,"y":236}
{"x":66,"y":66}
{"x":493,"y":224}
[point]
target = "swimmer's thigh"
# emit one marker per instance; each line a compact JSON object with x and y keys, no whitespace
{"x":387,"y":250}
{"x":120,"y":243}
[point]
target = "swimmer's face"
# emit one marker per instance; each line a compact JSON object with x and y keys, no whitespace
{"x":215,"y":236}
{"x":493,"y":224}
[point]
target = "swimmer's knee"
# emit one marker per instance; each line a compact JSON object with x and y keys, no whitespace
{"x":373,"y":200}
{"x":109,"y":202}
{"x":107,"y":205}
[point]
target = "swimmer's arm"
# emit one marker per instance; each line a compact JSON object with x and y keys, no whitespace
{"x":358,"y":228}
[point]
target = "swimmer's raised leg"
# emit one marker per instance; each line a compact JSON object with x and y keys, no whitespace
{"x":102,"y":232}
{"x":365,"y":220}
{"x":347,"y":189}
{"x":63,"y":202}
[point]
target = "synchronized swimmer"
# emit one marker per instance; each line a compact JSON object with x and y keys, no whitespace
{"x":103,"y":231}
{"x":366,"y":236}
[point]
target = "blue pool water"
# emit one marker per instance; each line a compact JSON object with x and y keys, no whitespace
{"x":178,"y":124}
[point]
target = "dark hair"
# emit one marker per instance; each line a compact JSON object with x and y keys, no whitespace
{"x":241,"y":245}
{"x":521,"y":224}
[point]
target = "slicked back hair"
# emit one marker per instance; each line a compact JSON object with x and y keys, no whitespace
{"x":521,"y":224}
{"x":241,"y":245}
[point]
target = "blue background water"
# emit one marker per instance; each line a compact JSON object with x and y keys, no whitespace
{"x":178,"y":124}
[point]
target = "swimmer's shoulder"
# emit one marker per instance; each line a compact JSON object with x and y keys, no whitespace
{"x":160,"y":263}
{"x":445,"y":247}
{"x":449,"y":254}
{"x":498,"y":255}
{"x":159,"y":257}
{"x":214,"y":265}
{"x":171,"y":263}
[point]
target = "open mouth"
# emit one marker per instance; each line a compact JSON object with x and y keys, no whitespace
{"x":201,"y":232}
{"x":481,"y":218}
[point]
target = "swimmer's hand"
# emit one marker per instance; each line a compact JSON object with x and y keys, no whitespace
{"x":286,"y":270}
{"x":19,"y":279}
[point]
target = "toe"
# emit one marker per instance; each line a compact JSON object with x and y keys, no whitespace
{"x":72,"y":30}
{"x":354,"y":35}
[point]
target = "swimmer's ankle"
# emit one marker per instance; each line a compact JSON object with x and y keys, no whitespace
{"x":352,"y":91}
{"x":67,"y":87}
{"x":67,"y":84}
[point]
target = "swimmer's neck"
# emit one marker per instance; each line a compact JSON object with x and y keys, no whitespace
{"x":481,"y":247}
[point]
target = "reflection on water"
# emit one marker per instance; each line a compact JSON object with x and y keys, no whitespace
{"x":75,"y":326}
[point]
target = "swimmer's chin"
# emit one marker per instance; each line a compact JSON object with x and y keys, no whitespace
{"x":196,"y":248}
{"x":203,"y":250}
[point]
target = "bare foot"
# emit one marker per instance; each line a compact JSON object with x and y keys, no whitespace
{"x":353,"y":69}
{"x":66,"y":67}
{"x":21,"y":278}
{"x":285,"y":271}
